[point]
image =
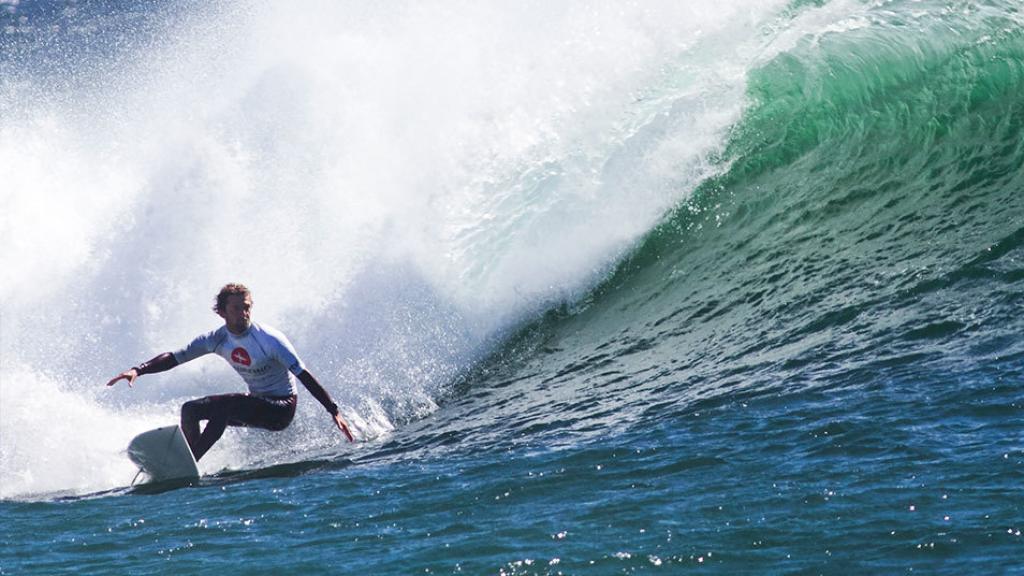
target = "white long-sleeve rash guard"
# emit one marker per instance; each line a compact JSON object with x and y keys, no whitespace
{"x":262,"y":356}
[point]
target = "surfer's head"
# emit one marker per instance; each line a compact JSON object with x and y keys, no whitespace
{"x":234,"y":305}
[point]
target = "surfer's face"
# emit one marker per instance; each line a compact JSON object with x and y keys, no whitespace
{"x":237,"y":311}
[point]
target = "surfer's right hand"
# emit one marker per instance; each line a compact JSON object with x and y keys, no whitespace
{"x":129,"y":375}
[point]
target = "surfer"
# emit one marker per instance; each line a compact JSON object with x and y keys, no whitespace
{"x":261,"y":355}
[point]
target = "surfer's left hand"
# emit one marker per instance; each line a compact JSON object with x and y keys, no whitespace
{"x":340,"y":423}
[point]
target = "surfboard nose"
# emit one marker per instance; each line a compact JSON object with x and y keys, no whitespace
{"x":163,"y":454}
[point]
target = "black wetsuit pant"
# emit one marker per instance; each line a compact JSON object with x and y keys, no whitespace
{"x":223,"y":410}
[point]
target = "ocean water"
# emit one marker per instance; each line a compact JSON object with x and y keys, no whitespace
{"x":604,"y":288}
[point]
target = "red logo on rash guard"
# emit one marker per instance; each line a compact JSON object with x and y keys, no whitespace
{"x":240,"y":356}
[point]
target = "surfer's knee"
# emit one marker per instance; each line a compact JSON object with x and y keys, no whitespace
{"x":278,"y":426}
{"x":190,"y":410}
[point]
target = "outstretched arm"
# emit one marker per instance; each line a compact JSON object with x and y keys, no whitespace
{"x":324,"y":398}
{"x":160,"y":363}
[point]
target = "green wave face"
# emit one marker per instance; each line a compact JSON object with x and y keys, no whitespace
{"x":871,"y":216}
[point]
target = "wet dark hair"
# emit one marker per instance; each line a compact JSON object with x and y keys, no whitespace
{"x":233,"y":289}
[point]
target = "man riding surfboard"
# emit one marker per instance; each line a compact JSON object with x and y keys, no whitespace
{"x":261,"y":355}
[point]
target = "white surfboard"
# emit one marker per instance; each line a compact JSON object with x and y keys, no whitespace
{"x":163,"y":454}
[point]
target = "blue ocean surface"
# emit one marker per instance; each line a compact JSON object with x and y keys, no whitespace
{"x":727,"y":286}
